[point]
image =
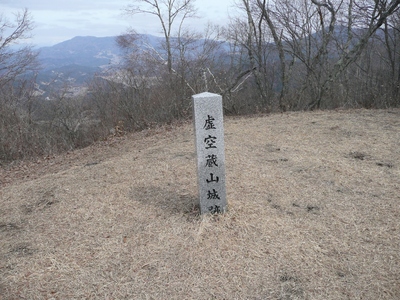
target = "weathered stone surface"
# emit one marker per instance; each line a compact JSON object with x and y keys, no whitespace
{"x":210,"y":148}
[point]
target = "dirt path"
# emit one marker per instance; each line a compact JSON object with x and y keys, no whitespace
{"x":313,"y":214}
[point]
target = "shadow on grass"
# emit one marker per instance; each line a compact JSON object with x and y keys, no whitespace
{"x":167,"y":199}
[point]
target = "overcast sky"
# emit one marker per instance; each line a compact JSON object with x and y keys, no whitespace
{"x":59,"y":20}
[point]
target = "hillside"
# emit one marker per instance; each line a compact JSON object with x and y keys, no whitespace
{"x":313,"y":214}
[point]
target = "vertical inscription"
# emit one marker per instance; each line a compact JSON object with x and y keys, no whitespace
{"x":209,"y":131}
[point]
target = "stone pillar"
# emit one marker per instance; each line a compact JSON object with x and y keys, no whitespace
{"x":209,"y":133}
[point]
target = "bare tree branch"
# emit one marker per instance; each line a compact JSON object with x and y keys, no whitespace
{"x":167,"y":11}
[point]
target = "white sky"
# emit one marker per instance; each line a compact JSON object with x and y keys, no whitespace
{"x":59,"y":20}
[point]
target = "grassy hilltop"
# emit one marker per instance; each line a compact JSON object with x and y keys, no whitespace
{"x":313,"y":214}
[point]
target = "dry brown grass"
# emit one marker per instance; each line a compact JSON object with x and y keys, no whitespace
{"x":314,"y":214}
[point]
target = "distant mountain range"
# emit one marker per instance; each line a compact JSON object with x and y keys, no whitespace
{"x":77,"y":60}
{"x":86,"y":51}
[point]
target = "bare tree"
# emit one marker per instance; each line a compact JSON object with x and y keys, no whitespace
{"x":249,"y":53}
{"x":303,"y":34}
{"x":15,"y":61}
{"x":309,"y":37}
{"x":257,"y":46}
{"x":168,"y":12}
{"x":392,"y":59}
{"x":373,"y":15}
{"x":285,"y":68}
{"x":16,"y":90}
